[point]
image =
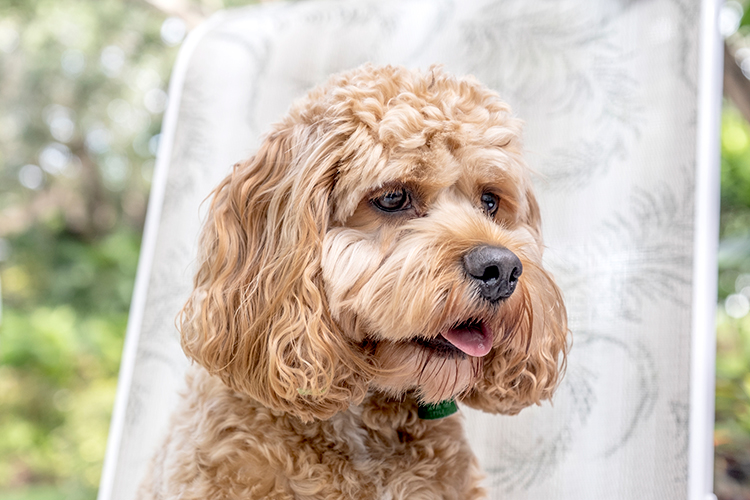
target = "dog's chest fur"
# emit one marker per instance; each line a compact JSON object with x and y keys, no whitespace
{"x":223,"y":445}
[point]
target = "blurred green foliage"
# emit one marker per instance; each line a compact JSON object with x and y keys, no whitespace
{"x":733,"y":381}
{"x":732,"y":435}
{"x":82,"y":91}
{"x":734,"y":257}
{"x":65,"y":311}
{"x":732,"y":428}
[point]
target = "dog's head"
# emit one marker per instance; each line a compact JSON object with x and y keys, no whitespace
{"x":384,"y":237}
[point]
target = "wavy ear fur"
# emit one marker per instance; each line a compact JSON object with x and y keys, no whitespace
{"x":258,"y":316}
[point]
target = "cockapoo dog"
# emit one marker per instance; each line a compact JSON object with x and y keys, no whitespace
{"x":377,"y":260}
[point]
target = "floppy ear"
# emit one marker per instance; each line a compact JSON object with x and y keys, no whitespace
{"x":531,"y":358}
{"x":258,"y":316}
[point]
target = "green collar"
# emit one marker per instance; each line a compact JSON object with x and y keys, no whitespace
{"x":437,"y":410}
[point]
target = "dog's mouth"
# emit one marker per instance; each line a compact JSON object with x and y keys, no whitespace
{"x":470,"y":338}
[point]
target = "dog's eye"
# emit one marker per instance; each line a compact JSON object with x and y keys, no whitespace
{"x":393,"y":201}
{"x":489,"y":203}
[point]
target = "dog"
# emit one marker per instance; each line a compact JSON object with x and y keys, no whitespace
{"x":376,"y":263}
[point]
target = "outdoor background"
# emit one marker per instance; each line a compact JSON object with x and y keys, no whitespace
{"x":82,"y":91}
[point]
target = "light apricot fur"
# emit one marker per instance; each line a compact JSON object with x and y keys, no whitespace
{"x":308,"y":300}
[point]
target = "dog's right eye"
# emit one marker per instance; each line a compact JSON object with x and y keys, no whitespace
{"x":489,"y":204}
{"x":393,"y":201}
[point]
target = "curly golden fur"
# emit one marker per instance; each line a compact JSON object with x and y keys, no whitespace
{"x":333,"y":297}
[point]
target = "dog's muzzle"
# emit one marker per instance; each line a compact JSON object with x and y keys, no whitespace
{"x":495,"y":271}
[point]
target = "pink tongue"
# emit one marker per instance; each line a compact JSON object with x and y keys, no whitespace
{"x":475,"y":341}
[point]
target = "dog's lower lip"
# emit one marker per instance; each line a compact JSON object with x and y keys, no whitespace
{"x":440,"y":346}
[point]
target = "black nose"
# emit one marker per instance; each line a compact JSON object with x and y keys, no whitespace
{"x":495,"y":271}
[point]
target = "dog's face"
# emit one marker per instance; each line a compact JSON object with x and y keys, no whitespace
{"x":384,"y":237}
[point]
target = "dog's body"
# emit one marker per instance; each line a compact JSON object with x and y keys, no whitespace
{"x":376,"y":450}
{"x":381,"y":251}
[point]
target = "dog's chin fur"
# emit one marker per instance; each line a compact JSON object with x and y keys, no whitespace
{"x":321,"y":315}
{"x":433,"y":376}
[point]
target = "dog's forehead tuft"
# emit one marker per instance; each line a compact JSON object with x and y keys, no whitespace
{"x":397,"y":125}
{"x":384,"y":97}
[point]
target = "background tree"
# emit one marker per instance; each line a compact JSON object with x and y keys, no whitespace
{"x":82,"y":91}
{"x":732,"y":437}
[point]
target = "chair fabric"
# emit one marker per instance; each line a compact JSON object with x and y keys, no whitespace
{"x":608,"y":91}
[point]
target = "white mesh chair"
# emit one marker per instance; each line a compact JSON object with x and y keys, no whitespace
{"x":620,"y":100}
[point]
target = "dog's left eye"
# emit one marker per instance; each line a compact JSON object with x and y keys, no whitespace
{"x":489,"y":203}
{"x":393,"y":201}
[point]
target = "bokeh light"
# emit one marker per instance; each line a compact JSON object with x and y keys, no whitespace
{"x":173,"y":30}
{"x":31,"y":176}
